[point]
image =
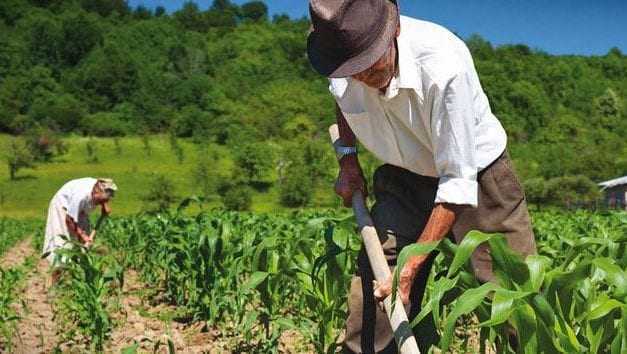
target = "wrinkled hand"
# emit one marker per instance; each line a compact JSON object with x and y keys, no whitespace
{"x":406,"y":280}
{"x":350,"y":179}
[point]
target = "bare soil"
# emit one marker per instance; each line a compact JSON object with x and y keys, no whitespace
{"x":17,"y":254}
{"x":147,"y":326}
{"x":36,"y":332}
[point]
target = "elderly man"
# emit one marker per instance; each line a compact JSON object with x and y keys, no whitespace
{"x":68,"y":213}
{"x":408,"y":90}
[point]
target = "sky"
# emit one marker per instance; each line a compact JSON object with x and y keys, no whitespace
{"x":583,"y":27}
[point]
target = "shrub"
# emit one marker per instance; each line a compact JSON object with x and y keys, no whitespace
{"x":161,"y":194}
{"x":106,"y":124}
{"x":18,"y":157}
{"x":91,"y":148}
{"x":254,"y":160}
{"x":296,"y":189}
{"x":238,"y":198}
{"x":44,"y":144}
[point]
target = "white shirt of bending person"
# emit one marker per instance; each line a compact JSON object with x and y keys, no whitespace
{"x":73,"y":200}
{"x":434,"y":119}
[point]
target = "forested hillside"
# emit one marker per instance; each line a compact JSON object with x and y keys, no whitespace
{"x":233,"y":76}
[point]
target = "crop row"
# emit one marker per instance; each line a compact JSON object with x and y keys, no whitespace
{"x":254,"y":276}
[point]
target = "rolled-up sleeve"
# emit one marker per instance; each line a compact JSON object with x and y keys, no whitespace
{"x":453,"y":141}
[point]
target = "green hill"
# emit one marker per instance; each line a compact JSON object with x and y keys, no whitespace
{"x":237,"y":79}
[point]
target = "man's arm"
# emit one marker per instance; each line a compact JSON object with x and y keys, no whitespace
{"x":351,"y":177}
{"x":75,"y":230}
{"x":454,"y":155}
{"x":439,"y":224}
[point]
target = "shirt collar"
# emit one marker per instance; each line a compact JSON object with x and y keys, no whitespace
{"x":407,"y":76}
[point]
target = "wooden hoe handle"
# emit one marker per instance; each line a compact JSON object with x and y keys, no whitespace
{"x":398,"y":318}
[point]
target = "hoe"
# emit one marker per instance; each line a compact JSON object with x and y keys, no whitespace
{"x":398,"y":318}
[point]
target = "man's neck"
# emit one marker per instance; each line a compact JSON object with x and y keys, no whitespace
{"x":384,"y":89}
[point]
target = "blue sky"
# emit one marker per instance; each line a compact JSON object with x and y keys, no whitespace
{"x":585,"y":27}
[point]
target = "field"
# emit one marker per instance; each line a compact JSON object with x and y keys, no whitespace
{"x":259,"y":283}
{"x":132,"y":167}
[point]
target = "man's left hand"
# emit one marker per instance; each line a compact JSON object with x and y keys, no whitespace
{"x":406,"y":280}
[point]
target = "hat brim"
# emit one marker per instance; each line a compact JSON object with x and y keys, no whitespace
{"x":338,"y":68}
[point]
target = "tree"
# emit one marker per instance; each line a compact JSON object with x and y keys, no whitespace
{"x":80,"y":33}
{"x":44,"y":144}
{"x":608,"y":107}
{"x":161,"y":193}
{"x":106,"y":7}
{"x":479,"y":47}
{"x":43,"y":38}
{"x":108,"y":77}
{"x":255,"y":160}
{"x":141,"y":12}
{"x":191,"y":18}
{"x":18,"y":157}
{"x":571,"y":191}
{"x":238,"y":198}
{"x":296,"y":189}
{"x":160,"y":11}
{"x":63,"y":112}
{"x":254,"y":11}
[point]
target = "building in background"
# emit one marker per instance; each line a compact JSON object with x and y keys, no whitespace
{"x":615,"y":193}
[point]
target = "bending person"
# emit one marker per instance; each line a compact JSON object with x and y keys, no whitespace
{"x":68,"y":215}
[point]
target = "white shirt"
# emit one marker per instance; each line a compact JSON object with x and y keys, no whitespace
{"x":75,"y":197}
{"x":434,"y":119}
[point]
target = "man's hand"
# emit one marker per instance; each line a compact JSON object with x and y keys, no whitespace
{"x":106,"y":209}
{"x":350,"y":179}
{"x":406,"y":279}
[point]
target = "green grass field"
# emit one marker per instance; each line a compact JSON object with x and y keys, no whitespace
{"x":132,"y":168}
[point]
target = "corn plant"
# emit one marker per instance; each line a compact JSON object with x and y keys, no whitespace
{"x":90,"y":282}
{"x":253,"y":276}
{"x":9,"y":298}
{"x":567,"y":303}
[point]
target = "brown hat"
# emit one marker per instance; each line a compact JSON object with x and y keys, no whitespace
{"x":349,"y":36}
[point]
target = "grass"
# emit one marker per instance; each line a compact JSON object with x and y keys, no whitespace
{"x":132,"y":169}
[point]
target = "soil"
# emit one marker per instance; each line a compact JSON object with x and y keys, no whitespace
{"x":146,"y":326}
{"x":36,"y":332}
{"x":141,"y":323}
{"x":17,"y":254}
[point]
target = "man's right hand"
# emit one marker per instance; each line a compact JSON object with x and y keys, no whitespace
{"x":350,"y":179}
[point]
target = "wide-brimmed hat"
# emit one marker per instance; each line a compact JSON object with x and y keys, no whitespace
{"x":349,"y":36}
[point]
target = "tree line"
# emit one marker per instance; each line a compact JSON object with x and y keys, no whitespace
{"x":235,"y":76}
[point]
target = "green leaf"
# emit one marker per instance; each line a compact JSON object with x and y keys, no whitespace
{"x":544,"y":310}
{"x":537,"y":266}
{"x":524,"y":320}
{"x":603,"y":308}
{"x":468,"y":245}
{"x":131,"y":349}
{"x":465,"y":304}
{"x":255,"y":279}
{"x":508,"y":266}
{"x":503,"y":306}
{"x":439,"y":288}
{"x":614,"y":274}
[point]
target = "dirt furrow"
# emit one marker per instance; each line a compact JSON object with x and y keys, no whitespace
{"x":17,"y":254}
{"x":36,"y":331}
{"x":142,"y":325}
